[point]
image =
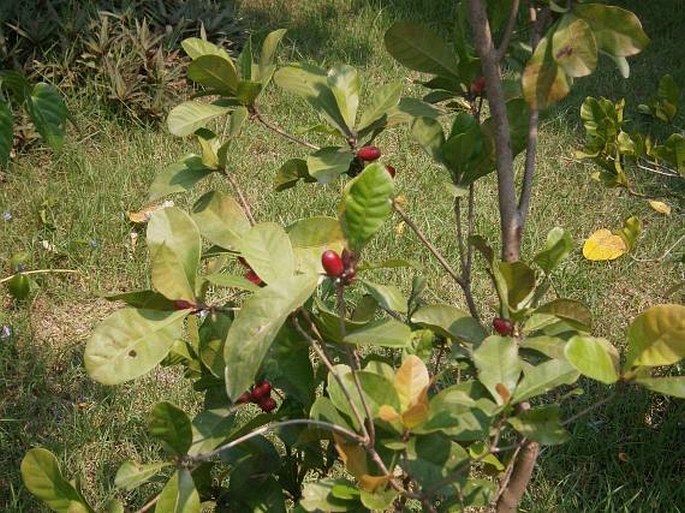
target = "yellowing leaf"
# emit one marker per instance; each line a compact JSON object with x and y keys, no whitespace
{"x":411,"y":381}
{"x":388,"y":413}
{"x":604,"y":245}
{"x":143,"y":216}
{"x":660,"y":207}
{"x":354,"y":458}
{"x":416,"y":414}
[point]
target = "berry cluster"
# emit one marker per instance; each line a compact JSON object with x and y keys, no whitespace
{"x":260,"y":394}
{"x":341,"y":267}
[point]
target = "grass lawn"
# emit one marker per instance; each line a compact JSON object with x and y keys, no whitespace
{"x":69,"y":212}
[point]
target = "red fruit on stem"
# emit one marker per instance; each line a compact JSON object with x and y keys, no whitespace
{"x":477,"y":86}
{"x":369,"y":153}
{"x":332,"y":263}
{"x":253,"y":277}
{"x":267,"y":404}
{"x":259,"y":394}
{"x":245,"y":397}
{"x":391,"y":171}
{"x":503,"y":326}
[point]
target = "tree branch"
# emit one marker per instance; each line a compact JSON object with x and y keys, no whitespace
{"x":508,"y":31}
{"x":441,"y":259}
{"x":241,"y":198}
{"x":509,"y":219}
{"x":256,"y":114}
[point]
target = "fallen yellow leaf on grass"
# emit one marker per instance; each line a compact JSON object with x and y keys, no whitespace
{"x":660,"y":206}
{"x":604,"y":245}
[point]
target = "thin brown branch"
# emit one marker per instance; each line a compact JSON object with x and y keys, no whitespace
{"x":441,"y":259}
{"x":504,"y":482}
{"x":241,"y":198}
{"x":329,"y":365}
{"x":665,"y":254}
{"x":508,"y":31}
{"x":587,"y":410}
{"x":276,"y":425}
{"x":256,"y":114}
{"x":149,"y":504}
{"x":509,"y":219}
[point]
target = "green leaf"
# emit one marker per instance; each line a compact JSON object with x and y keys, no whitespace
{"x":365,"y":205}
{"x":618,"y":31}
{"x":408,"y":110}
{"x":574,"y":46}
{"x":310,"y":237}
{"x":461,"y":411}
{"x":215,"y":73}
{"x":544,"y":81}
{"x":318,"y":496}
{"x":672,"y":385}
{"x":19,"y":286}
{"x":382,"y":333}
{"x":428,"y":133}
{"x":231,"y":281}
{"x":244,"y":62}
{"x":267,"y":249}
{"x":171,"y":425}
{"x":344,"y":83}
{"x":268,"y":52}
{"x":376,"y":113}
{"x":544,"y":377}
{"x":630,"y":231}
{"x":573,"y":312}
{"x":594,"y":357}
{"x":553,"y":347}
{"x":180,"y":176}
{"x":498,"y":366}
{"x":187,"y":117}
{"x":220,"y":219}
{"x":16,"y":82}
{"x":311,"y":83}
{"x":145,"y":299}
{"x":520,"y":283}
{"x":388,"y":296}
{"x":48,"y":113}
{"x":211,"y":428}
{"x":130,"y":342}
{"x":179,"y":495}
{"x":6,"y":133}
{"x":174,"y":243}
{"x":657,"y":337}
{"x":291,"y":172}
{"x":420,"y":49}
{"x":196,"y":47}
{"x":324,"y":409}
{"x":450,"y":322}
{"x":256,"y":326}
{"x":43,"y":478}
{"x":248,"y":92}
{"x":329,"y":163}
{"x":541,"y":424}
{"x":430,"y":459}
{"x":558,"y":246}
{"x":131,"y":474}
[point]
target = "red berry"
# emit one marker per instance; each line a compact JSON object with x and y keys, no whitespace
{"x":265,"y":386}
{"x":267,"y":404}
{"x":503,"y":326}
{"x":245,"y":397}
{"x":369,"y":153}
{"x":332,"y":263}
{"x":259,"y":394}
{"x":391,"y":171}
{"x":182,"y":304}
{"x":477,"y":86}
{"x":253,"y":277}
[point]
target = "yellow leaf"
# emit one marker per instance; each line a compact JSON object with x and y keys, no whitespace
{"x":143,"y":216}
{"x":388,"y":413}
{"x":416,"y":414}
{"x":660,"y":207}
{"x":604,"y":245}
{"x":354,"y":458}
{"x":411,"y":381}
